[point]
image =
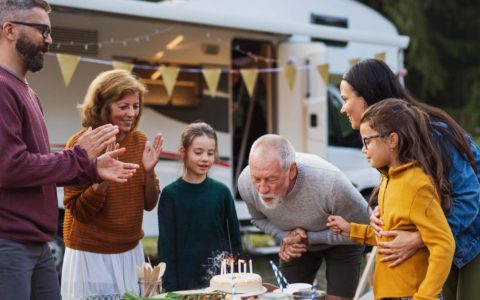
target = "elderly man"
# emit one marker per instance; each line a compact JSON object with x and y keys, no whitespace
{"x":290,"y":196}
{"x":29,"y":172}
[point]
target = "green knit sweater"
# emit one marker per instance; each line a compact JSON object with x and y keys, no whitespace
{"x":192,"y":222}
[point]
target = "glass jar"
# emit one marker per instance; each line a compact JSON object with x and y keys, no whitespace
{"x":150,"y":288}
{"x":310,"y":295}
{"x":275,"y":296}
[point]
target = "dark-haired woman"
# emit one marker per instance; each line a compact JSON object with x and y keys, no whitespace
{"x":397,"y":141}
{"x":372,"y":81}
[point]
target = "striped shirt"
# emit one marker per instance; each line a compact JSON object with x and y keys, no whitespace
{"x":111,"y":222}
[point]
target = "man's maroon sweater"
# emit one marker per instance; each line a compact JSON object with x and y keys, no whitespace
{"x":29,"y":172}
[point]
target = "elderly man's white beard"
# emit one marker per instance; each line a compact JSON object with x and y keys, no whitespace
{"x":276,"y":200}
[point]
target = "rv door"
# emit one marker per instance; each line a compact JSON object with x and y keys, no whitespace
{"x":302,"y":110}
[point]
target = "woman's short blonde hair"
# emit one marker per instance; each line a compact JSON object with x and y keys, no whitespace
{"x":108,"y":87}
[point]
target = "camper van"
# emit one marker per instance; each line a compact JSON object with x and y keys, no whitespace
{"x":266,"y":35}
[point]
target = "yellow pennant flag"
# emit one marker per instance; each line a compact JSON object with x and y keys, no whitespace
{"x":212,"y":77}
{"x":169,"y":75}
{"x":120,"y":65}
{"x":324,"y":72}
{"x":290,"y":75}
{"x":354,"y":61}
{"x":380,"y":56}
{"x":250,"y":78}
{"x":68,"y":64}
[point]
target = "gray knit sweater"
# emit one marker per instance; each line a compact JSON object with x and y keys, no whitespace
{"x":320,"y":190}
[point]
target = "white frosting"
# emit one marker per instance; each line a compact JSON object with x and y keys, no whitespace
{"x":244,"y":282}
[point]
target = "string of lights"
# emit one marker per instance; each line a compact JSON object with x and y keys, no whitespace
{"x":114,"y":41}
{"x":187,"y":70}
{"x":148,"y":37}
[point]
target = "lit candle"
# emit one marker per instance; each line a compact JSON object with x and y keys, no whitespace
{"x":223,"y":267}
{"x":240,"y":264}
{"x":250,"y":263}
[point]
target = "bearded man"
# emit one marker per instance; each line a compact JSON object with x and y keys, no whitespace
{"x":30,"y":172}
{"x":290,"y":196}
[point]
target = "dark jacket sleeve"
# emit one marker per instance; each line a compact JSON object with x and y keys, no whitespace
{"x":167,"y":241}
{"x":464,"y":182}
{"x":233,"y":224}
{"x":465,"y":192}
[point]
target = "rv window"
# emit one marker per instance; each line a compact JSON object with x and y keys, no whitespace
{"x":340,"y":132}
{"x":329,"y":21}
{"x":73,"y":41}
{"x":190,"y":100}
{"x":186,"y":93}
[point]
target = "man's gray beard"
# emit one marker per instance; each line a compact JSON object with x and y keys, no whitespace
{"x":31,"y":53}
{"x":273,"y":204}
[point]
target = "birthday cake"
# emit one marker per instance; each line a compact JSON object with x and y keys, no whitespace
{"x":243,"y":282}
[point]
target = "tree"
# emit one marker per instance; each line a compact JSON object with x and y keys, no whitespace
{"x":443,"y":59}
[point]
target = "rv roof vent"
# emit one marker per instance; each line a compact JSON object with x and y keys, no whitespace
{"x":73,"y":41}
{"x":210,"y":49}
{"x":325,"y":20}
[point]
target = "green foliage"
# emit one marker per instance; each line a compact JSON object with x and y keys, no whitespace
{"x":258,"y":240}
{"x":215,"y":295}
{"x":150,"y":246}
{"x":444,"y":53}
{"x":129,"y":296}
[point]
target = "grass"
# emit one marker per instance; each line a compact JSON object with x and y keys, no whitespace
{"x":251,"y":241}
{"x":150,"y":246}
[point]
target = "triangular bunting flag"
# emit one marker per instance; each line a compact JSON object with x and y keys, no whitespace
{"x":290,"y":75}
{"x":68,"y":65}
{"x":380,"y":56}
{"x":120,"y":65}
{"x":354,"y":61}
{"x":212,"y":77}
{"x":169,"y":76}
{"x":324,"y":72}
{"x":250,"y":79}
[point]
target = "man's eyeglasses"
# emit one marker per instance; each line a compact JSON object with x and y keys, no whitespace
{"x":43,"y":28}
{"x":367,"y":138}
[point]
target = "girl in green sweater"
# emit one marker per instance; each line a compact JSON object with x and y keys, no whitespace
{"x":196,"y":215}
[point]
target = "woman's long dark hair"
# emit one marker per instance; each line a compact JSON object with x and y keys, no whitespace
{"x":373,"y":80}
{"x":415,"y":140}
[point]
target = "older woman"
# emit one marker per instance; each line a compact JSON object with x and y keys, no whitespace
{"x":103,"y":222}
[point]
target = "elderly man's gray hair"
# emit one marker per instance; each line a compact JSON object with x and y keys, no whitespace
{"x":279,"y":144}
{"x":9,"y":8}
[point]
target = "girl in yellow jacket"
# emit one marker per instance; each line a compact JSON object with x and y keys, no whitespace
{"x":413,"y":195}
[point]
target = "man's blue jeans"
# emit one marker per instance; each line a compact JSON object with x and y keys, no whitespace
{"x":27,"y":272}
